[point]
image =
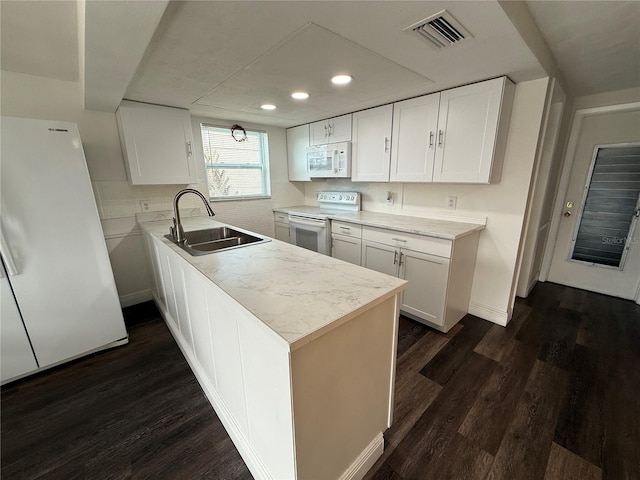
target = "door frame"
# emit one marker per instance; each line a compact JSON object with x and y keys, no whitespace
{"x":565,"y":177}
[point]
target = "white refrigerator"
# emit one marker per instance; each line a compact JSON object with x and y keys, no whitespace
{"x":57,"y":293}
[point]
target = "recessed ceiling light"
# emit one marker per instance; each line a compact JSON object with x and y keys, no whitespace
{"x":341,"y":79}
{"x":268,"y":106}
{"x":300,"y":95}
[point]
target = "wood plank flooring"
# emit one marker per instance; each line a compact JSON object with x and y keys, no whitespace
{"x":554,"y":395}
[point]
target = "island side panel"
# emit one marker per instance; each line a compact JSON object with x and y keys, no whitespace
{"x":241,"y":364}
{"x":342,"y":386}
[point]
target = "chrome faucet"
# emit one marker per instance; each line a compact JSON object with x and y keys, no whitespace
{"x":176,"y":231}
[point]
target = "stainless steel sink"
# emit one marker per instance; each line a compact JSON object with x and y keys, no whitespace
{"x":210,"y":240}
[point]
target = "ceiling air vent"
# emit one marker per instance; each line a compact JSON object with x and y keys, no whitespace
{"x":440,"y":30}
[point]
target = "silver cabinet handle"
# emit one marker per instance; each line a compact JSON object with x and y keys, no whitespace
{"x":431,"y":139}
{"x":189,"y":149}
{"x":399,"y":239}
{"x":345,"y":228}
{"x":401,"y":255}
{"x":395,"y":257}
{"x":440,"y":135}
{"x":386,"y":144}
{"x":330,"y":129}
{"x":326,"y":130}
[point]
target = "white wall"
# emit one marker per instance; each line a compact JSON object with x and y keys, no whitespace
{"x":504,"y":204}
{"x":118,"y":202}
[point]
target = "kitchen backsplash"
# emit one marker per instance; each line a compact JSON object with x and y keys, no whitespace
{"x":119,"y":199}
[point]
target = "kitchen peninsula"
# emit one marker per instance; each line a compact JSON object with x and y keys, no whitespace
{"x":294,"y":350}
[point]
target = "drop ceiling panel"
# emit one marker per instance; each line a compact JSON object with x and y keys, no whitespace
{"x":306,"y":61}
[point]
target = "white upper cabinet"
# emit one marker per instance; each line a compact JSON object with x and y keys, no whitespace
{"x":297,"y":143}
{"x":371,"y":147}
{"x":157,"y":143}
{"x":333,"y":130}
{"x":472,"y":126}
{"x":413,"y":149}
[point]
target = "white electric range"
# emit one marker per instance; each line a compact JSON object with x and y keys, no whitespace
{"x":310,"y":228}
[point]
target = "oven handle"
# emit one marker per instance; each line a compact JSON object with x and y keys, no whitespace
{"x":299,"y":221}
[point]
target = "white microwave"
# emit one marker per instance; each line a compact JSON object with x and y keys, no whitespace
{"x":329,"y":161}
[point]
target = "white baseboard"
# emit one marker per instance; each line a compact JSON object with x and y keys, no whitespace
{"x":489,"y":313}
{"x":358,"y":469}
{"x":135,"y":298}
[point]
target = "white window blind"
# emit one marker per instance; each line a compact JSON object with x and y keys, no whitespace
{"x":235,"y":169}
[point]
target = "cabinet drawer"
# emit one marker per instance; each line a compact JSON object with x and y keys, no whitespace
{"x":431,"y":245}
{"x":347,"y":229}
{"x":281,"y":218}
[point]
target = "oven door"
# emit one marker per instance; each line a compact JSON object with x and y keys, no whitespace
{"x":310,"y":233}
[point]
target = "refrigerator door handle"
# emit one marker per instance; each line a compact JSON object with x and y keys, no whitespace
{"x":5,"y":253}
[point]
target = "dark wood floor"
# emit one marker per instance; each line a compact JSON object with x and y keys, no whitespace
{"x":555,"y":395}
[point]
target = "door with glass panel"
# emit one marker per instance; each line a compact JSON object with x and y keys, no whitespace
{"x":598,"y":243}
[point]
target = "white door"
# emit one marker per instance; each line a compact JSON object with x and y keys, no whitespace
{"x":568,"y":267}
{"x":467,"y":130}
{"x":340,"y":129}
{"x":346,"y":248}
{"x":426,"y":293}
{"x":415,"y":125}
{"x":371,"y":147}
{"x":379,"y":257}
{"x":319,"y":133}
{"x":297,"y":144}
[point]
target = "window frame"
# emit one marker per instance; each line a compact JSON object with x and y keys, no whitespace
{"x":263,"y":166}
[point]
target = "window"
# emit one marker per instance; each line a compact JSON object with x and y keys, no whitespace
{"x":235,"y":169}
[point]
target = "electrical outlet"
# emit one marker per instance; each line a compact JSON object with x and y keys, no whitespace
{"x":452,"y":202}
{"x":389,"y":198}
{"x":144,"y":205}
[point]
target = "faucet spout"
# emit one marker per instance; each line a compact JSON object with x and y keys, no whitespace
{"x":177,"y":231}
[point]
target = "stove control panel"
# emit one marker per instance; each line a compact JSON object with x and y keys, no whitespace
{"x":341,"y":198}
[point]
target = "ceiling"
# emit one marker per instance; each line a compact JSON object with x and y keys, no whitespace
{"x":223,"y":59}
{"x":596,"y":44}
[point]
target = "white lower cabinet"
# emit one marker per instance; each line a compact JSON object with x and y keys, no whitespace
{"x":281,"y":224}
{"x":346,"y":242}
{"x":439,"y":272}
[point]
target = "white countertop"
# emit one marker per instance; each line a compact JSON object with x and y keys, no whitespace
{"x":446,"y":229}
{"x":299,"y":294}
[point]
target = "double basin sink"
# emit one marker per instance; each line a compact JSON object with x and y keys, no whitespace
{"x":210,"y":240}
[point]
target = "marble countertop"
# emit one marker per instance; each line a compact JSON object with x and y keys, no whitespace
{"x":447,"y":229}
{"x":297,"y":293}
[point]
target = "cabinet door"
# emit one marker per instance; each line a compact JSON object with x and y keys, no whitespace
{"x":157,"y":143}
{"x":348,"y":249}
{"x":297,"y":143}
{"x":467,"y":130}
{"x":319,"y":133}
{"x":371,"y":148}
{"x":426,"y":294}
{"x":340,"y":129}
{"x":415,"y":126}
{"x":379,"y":257}
{"x":17,"y":356}
{"x":282,"y":232}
